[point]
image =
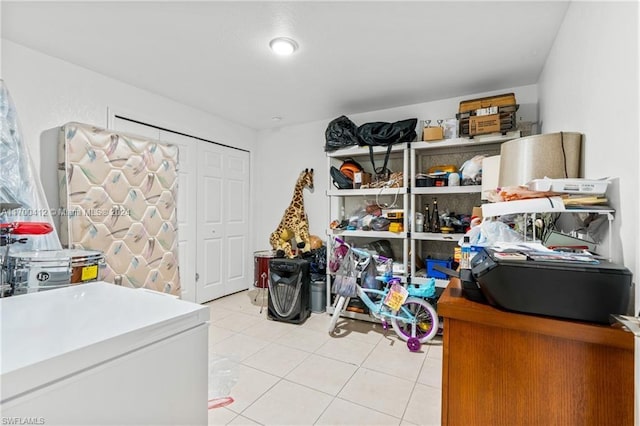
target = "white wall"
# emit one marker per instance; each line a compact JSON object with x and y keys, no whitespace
{"x":590,"y":84}
{"x":282,"y":153}
{"x":0,"y":39}
{"x":49,"y":92}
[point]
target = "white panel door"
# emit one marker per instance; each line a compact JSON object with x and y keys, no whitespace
{"x":223,"y":221}
{"x":211,"y":233}
{"x":236,"y":220}
{"x":186,"y":210}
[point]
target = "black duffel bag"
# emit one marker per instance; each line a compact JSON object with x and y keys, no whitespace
{"x":341,"y":132}
{"x":386,"y":134}
{"x":380,"y":133}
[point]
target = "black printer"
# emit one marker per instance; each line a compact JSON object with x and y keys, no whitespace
{"x":545,"y":285}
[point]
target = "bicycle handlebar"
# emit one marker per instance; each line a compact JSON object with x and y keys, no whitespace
{"x":361,"y":252}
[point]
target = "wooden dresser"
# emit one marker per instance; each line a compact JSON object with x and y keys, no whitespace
{"x":504,"y":368}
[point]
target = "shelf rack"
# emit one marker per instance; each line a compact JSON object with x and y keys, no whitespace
{"x":451,"y":151}
{"x":402,"y":157}
{"x":600,"y":210}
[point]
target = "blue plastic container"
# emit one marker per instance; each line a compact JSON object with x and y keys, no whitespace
{"x":432,"y":273}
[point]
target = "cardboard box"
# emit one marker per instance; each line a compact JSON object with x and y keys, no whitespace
{"x":490,"y":101}
{"x":361,"y":178}
{"x":432,"y":133}
{"x":477,"y":212}
{"x":482,"y":124}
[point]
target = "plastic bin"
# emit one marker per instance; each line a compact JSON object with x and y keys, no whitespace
{"x":318,"y":296}
{"x":432,"y":273}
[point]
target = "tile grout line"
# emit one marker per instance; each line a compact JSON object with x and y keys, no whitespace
{"x":415,"y":383}
{"x":388,"y":375}
{"x":270,"y":373}
{"x":308,"y":353}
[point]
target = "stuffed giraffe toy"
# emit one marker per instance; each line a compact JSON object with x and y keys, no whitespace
{"x":294,"y":223}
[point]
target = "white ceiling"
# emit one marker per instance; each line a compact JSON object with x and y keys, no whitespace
{"x":353,"y":56}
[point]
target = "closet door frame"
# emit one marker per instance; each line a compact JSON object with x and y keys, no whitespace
{"x":196,"y":263}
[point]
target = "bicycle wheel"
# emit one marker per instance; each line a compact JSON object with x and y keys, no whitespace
{"x":427,"y":320}
{"x":336,"y":313}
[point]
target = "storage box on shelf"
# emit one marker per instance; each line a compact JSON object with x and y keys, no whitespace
{"x":432,"y":133}
{"x":501,"y":122}
{"x":345,"y":202}
{"x":493,"y":114}
{"x":487,"y":102}
{"x":459,"y":199}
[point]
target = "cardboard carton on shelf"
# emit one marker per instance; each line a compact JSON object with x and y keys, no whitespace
{"x":482,"y":124}
{"x":361,"y":178}
{"x":432,"y":133}
{"x":503,"y":100}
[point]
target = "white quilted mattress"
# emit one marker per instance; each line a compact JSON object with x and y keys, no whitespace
{"x":118,"y":194}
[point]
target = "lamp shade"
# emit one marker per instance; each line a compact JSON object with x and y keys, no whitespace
{"x":552,"y":155}
{"x":490,"y":174}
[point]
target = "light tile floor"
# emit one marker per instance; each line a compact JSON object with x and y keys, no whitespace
{"x":287,"y":374}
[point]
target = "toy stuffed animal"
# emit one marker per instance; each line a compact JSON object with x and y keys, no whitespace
{"x":294,"y":224}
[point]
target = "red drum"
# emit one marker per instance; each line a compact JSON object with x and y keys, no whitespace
{"x":261,"y":268}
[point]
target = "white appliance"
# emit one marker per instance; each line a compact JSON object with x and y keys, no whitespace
{"x":99,"y":353}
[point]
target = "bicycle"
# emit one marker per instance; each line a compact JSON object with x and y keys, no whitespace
{"x":412,"y":318}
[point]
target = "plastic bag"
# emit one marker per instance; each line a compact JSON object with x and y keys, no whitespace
{"x":381,"y":247}
{"x":336,"y":256}
{"x":223,"y":375}
{"x":340,"y":133}
{"x":380,"y":223}
{"x":345,"y":282}
{"x":20,"y":186}
{"x":491,"y":232}
{"x":368,"y":277}
{"x":472,"y":171}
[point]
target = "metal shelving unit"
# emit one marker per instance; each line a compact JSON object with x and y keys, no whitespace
{"x":343,"y":201}
{"x":448,"y":151}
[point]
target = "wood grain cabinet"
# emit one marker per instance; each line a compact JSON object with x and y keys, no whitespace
{"x":504,"y":368}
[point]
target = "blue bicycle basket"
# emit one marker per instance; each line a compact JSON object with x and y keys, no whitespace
{"x":426,"y":290}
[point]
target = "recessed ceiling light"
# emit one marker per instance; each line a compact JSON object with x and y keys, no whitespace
{"x":283,"y":46}
{"x":276,"y":118}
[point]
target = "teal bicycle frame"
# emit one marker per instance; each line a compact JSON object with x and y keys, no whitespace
{"x":379,"y":309}
{"x":415,"y":321}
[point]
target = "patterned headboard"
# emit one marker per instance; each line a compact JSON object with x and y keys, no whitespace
{"x":118,"y":195}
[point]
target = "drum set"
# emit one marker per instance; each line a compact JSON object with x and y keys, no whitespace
{"x":37,"y":270}
{"x":261,"y":273}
